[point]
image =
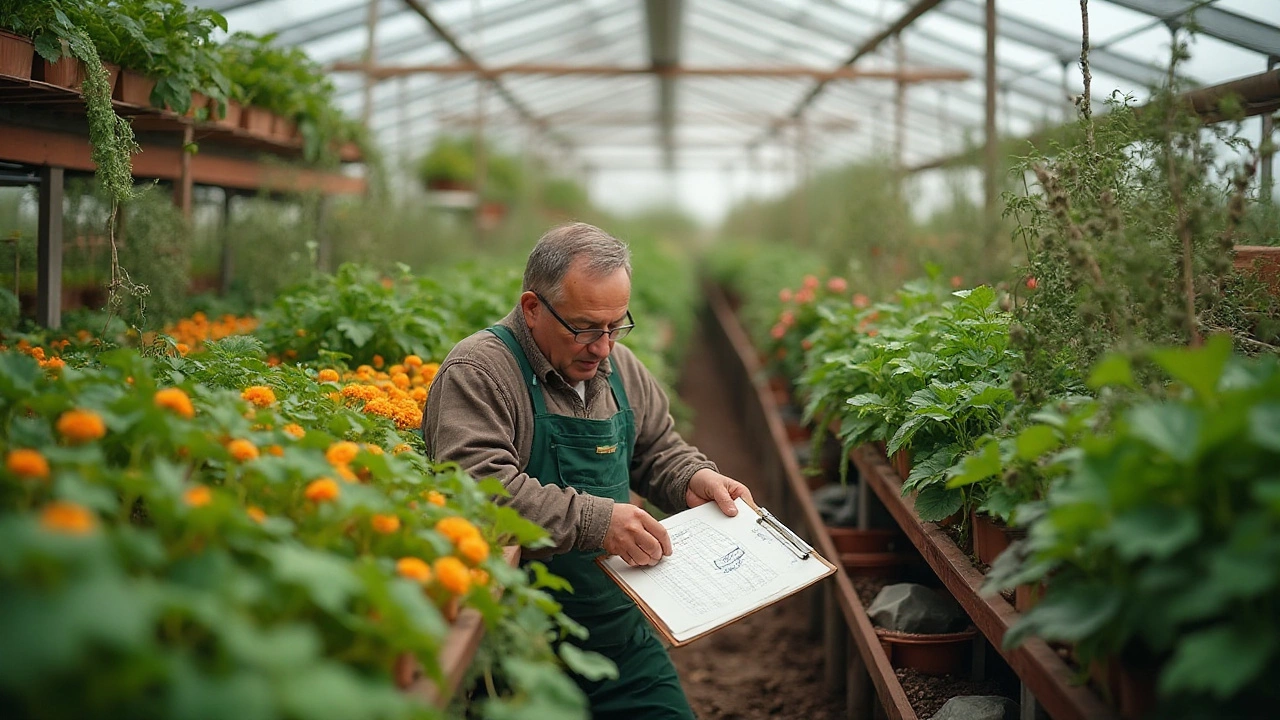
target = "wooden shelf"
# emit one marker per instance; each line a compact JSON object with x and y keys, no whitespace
{"x":1046,"y":675}
{"x":794,"y":502}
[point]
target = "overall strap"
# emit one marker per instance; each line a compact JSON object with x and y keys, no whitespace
{"x":508,"y":338}
{"x":619,"y":394}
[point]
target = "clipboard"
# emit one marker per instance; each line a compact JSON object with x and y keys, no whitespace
{"x":721,"y":570}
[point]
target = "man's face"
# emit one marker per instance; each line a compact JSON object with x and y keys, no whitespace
{"x":586,"y":303}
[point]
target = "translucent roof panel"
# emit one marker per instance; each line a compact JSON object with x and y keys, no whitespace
{"x":760,"y":63}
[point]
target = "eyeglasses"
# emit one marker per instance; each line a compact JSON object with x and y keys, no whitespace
{"x":586,"y":337}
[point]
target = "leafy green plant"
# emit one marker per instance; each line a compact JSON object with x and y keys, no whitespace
{"x":450,"y":160}
{"x":1161,"y":546}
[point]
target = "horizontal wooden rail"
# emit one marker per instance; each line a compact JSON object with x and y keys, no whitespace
{"x":1046,"y":675}
{"x":742,"y":362}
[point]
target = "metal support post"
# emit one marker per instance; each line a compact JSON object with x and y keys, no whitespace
{"x":801,"y":208}
{"x":183,"y":186}
{"x":226,"y":267}
{"x":324,"y":241}
{"x":49,"y":249}
{"x":1267,"y":184}
{"x":370,"y":56}
{"x":899,"y":107}
{"x":990,"y":186}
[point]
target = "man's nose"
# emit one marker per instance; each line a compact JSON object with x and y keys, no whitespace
{"x":601,"y":347}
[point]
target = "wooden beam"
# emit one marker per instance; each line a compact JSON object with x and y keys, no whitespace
{"x":34,"y":146}
{"x":227,"y":264}
{"x":183,"y":186}
{"x":906,"y":75}
{"x":49,"y":248}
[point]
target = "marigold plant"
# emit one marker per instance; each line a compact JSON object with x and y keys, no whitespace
{"x":27,"y":463}
{"x":80,"y":426}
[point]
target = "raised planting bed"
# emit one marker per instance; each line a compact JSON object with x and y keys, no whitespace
{"x":1048,"y":677}
{"x":455,"y":657}
{"x":788,"y":495}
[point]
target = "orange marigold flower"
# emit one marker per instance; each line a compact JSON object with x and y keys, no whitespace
{"x":81,"y":425}
{"x":322,"y":490}
{"x":419,"y":395}
{"x":27,"y":463}
{"x":198,"y":496}
{"x":259,"y":395}
{"x":401,"y":448}
{"x":412,"y":361}
{"x":300,"y":332}
{"x":378,"y":362}
{"x":456,"y":529}
{"x":401,"y":380}
{"x":242,"y":450}
{"x":479,"y":577}
{"x":294,"y":430}
{"x":342,"y":452}
{"x":328,"y":375}
{"x":275,"y":450}
{"x":37,"y":353}
{"x":414,"y":569}
{"x":453,"y":575}
{"x":474,"y":549}
{"x":255,"y":513}
{"x":429,"y":371}
{"x":373,"y":449}
{"x":344,"y":472}
{"x":177,"y":400}
{"x":385,"y":524}
{"x":54,"y":363}
{"x":182,"y":348}
{"x":67,"y":518}
{"x":435,"y":497}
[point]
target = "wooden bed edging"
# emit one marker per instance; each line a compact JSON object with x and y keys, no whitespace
{"x":1045,"y":674}
{"x":459,"y":650}
{"x":738,"y":359}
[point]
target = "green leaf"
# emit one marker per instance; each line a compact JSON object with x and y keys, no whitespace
{"x":1153,"y":531}
{"x":590,"y":665}
{"x":356,"y":331}
{"x":545,"y":579}
{"x":1036,"y":441}
{"x":1200,"y":368}
{"x":239,"y":696}
{"x":977,"y":466}
{"x":1220,"y":660}
{"x":1264,"y":425}
{"x":905,"y":433}
{"x":49,"y":47}
{"x":1171,"y":428}
{"x":18,"y":375}
{"x":1070,"y":611}
{"x":934,"y":503}
{"x":1114,"y":369}
{"x":326,"y":578}
{"x":336,"y":692}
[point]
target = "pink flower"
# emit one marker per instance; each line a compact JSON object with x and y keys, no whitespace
{"x":805,"y":296}
{"x":1032,"y":283}
{"x":861,"y":301}
{"x":778,"y":332}
{"x":784,"y":295}
{"x":837,"y":285}
{"x":956,"y":281}
{"x":787,"y":318}
{"x":806,"y":344}
{"x":811,"y":282}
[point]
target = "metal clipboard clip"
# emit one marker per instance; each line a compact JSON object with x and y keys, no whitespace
{"x":792,"y":541}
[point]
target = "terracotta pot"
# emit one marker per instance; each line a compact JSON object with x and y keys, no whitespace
{"x":445,"y":185}
{"x":944,"y":654}
{"x":199,"y":107}
{"x":1026,"y":596}
{"x":256,"y":121}
{"x":68,"y":72}
{"x":134,"y":88}
{"x":16,"y":55}
{"x":231,"y":112}
{"x":853,"y":540}
{"x":991,"y":537}
{"x":886,"y":565}
{"x":901,"y":461}
{"x":283,"y":129}
{"x":796,"y":432}
{"x":1132,"y":688}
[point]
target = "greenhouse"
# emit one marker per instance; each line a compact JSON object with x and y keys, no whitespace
{"x":572,"y":359}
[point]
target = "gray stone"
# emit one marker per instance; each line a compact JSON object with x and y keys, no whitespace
{"x":912,"y":608}
{"x":978,"y":707}
{"x":837,"y":504}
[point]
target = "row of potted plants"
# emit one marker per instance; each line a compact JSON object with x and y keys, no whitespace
{"x":162,"y":53}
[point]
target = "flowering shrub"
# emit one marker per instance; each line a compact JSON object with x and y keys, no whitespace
{"x":802,"y":310}
{"x":210,"y":535}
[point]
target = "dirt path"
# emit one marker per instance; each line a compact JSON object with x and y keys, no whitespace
{"x":764,"y":666}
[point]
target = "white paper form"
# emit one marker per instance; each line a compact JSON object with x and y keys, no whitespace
{"x":720,"y":568}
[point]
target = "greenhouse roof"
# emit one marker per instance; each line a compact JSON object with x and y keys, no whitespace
{"x":622,"y":86}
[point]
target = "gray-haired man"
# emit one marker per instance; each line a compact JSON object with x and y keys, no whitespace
{"x":570,"y":422}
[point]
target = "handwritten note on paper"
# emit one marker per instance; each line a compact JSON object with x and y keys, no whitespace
{"x":720,"y":568}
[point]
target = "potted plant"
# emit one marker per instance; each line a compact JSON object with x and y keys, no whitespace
{"x":16,"y":55}
{"x":448,"y":165}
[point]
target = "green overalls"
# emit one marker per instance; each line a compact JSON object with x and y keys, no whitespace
{"x":594,"y":456}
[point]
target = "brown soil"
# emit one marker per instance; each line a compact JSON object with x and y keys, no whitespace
{"x":765,"y":665}
{"x":928,"y":693}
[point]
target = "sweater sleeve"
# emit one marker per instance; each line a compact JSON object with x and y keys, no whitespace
{"x":471,"y":419}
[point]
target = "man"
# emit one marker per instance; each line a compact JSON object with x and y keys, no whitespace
{"x":570,"y":421}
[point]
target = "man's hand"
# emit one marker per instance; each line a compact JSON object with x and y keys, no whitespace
{"x":635,"y":536}
{"x":707,"y":485}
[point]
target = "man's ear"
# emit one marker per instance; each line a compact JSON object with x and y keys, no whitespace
{"x":530,"y":305}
